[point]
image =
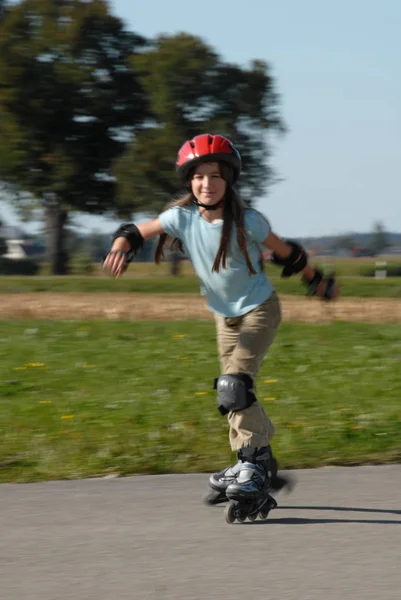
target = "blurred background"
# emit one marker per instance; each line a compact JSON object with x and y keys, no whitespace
{"x":96,"y":97}
{"x":95,"y":100}
{"x":104,"y":378}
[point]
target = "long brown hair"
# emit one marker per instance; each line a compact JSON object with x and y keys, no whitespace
{"x":233,"y":212}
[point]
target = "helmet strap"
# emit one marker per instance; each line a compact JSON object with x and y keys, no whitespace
{"x":216,"y":206}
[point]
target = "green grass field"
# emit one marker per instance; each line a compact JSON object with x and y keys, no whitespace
{"x":82,"y":399}
{"x":348,"y":267}
{"x":350,"y":286}
{"x":150,"y":278}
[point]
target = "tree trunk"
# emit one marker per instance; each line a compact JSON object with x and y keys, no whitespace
{"x":56,"y":219}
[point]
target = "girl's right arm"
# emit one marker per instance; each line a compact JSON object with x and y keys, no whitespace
{"x":116,"y":260}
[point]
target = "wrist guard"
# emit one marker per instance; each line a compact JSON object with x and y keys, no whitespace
{"x":294,"y":263}
{"x":130,"y":232}
{"x":314,"y":284}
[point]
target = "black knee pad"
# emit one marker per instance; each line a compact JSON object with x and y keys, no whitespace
{"x":233,"y":392}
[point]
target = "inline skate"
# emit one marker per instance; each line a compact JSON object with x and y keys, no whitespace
{"x":219,"y":482}
{"x":249,"y":492}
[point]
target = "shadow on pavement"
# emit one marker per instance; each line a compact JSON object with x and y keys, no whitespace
{"x":344,"y":509}
{"x":306,"y":521}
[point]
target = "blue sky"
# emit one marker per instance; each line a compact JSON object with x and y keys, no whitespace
{"x":338,"y":70}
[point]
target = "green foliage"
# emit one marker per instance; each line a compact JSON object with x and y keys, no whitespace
{"x":378,"y":240}
{"x":346,"y":241}
{"x":67,"y":94}
{"x":81,"y":264}
{"x":193,"y":91}
{"x":20,"y":266}
{"x":83,"y":399}
{"x":155,"y":283}
{"x":96,"y":246}
{"x":69,"y":102}
{"x":3,"y":246}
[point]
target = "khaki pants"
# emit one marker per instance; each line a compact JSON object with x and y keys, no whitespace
{"x":242,"y":344}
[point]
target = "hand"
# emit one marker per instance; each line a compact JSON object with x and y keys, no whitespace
{"x":115,"y":262}
{"x":322,"y":287}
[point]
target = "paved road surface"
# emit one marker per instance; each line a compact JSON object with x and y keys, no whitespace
{"x":337,"y":537}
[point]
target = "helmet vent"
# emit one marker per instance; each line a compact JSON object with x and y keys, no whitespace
{"x":210,"y":139}
{"x":192,"y":144}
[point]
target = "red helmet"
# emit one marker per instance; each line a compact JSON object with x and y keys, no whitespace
{"x":207,"y":148}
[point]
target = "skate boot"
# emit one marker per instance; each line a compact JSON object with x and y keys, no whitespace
{"x":278,"y":481}
{"x":219,"y":482}
{"x":249,"y":492}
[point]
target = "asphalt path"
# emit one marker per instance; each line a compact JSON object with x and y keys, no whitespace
{"x":336,"y":537}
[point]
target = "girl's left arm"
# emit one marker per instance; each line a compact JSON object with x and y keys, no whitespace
{"x":283,"y":250}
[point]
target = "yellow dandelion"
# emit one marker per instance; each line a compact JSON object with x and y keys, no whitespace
{"x":178,"y":336}
{"x":34,"y":364}
{"x":68,"y":416}
{"x":45,"y":401}
{"x":201,"y":393}
{"x":270,"y":399}
{"x":270,"y":380}
{"x":183,"y":357}
{"x":19,"y":368}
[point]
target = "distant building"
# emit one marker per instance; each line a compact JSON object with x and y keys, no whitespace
{"x":17,"y":246}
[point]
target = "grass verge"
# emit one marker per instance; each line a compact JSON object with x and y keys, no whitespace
{"x":356,"y":287}
{"x":83,"y":399}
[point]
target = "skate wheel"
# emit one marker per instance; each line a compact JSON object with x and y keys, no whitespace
{"x":263,"y":514}
{"x":230,"y":513}
{"x":241,"y":517}
{"x":252,"y":517}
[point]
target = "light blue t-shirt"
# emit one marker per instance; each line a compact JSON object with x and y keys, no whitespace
{"x":231,"y":292}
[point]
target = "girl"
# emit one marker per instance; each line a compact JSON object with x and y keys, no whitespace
{"x":224,"y":241}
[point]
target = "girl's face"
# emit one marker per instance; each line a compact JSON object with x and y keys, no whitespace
{"x":207,"y":184}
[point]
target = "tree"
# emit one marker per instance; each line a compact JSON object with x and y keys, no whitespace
{"x":193,"y":91}
{"x":378,"y":241}
{"x":3,"y":246}
{"x":3,"y":242}
{"x":69,"y":102}
{"x":346,"y":241}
